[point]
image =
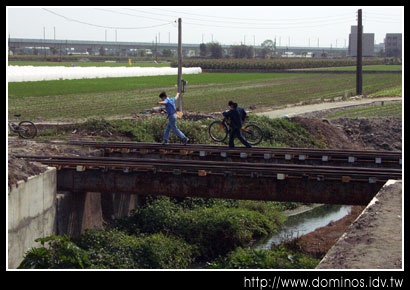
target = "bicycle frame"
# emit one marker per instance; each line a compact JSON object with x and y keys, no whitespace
{"x":13,"y":127}
{"x":227,"y":123}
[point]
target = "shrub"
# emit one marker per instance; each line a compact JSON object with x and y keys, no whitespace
{"x":202,"y":226}
{"x":57,"y":252}
{"x":115,"y":249}
{"x":277,"y":258}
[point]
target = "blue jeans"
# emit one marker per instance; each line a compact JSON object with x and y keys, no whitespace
{"x":172,"y":124}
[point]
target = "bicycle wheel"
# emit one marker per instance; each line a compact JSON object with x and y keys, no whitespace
{"x":27,"y":130}
{"x":218,"y":131}
{"x":253,"y":134}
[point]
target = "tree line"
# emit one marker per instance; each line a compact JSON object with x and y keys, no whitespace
{"x":215,"y":50}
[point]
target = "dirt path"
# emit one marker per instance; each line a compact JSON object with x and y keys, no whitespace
{"x":374,"y":240}
{"x":304,"y":109}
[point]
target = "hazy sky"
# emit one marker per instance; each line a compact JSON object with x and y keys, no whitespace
{"x":291,"y":25}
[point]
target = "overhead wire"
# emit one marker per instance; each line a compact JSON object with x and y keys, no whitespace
{"x":258,"y":19}
{"x":240,"y":25}
{"x":103,"y":26}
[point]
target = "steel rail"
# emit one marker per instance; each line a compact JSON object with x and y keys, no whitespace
{"x":219,"y":148}
{"x":221,"y":166}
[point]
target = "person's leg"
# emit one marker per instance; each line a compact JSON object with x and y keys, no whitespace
{"x":173,"y":124}
{"x":243,"y":140}
{"x":166,"y":132}
{"x":231,"y":138}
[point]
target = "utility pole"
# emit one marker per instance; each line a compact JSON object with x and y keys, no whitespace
{"x":179,"y":64}
{"x":156,"y":48}
{"x":44,"y":40}
{"x":359,"y":80}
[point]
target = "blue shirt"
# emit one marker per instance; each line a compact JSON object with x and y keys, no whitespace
{"x":170,"y":105}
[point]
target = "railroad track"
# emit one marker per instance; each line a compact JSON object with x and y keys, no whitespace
{"x":391,"y":159}
{"x":226,"y":168}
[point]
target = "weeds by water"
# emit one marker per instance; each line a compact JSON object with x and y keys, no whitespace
{"x":178,"y":232}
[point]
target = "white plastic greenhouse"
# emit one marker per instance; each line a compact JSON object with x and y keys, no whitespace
{"x":45,"y":73}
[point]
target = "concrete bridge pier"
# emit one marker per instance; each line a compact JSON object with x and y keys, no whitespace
{"x":78,"y":211}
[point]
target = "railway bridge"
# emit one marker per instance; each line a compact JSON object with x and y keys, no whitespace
{"x":262,"y":173}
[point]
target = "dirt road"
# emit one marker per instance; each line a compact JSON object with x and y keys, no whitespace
{"x":304,"y":109}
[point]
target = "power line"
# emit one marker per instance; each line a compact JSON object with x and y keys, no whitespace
{"x":270,"y":27}
{"x":242,"y":22}
{"x":102,"y":26}
{"x":132,"y":15}
{"x":242,"y":19}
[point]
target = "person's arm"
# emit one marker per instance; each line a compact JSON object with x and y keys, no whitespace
{"x":227,"y":114}
{"x":162,"y":102}
{"x":177,"y":96}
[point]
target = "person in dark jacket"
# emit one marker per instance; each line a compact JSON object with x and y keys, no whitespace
{"x":236,"y":124}
{"x":241,"y":111}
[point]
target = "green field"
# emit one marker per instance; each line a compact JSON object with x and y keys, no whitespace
{"x":388,"y":110}
{"x":74,"y":99}
{"x":380,"y":67}
{"x":395,"y":91}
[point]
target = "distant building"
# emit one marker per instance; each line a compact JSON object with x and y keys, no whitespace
{"x":393,"y":45}
{"x":367,"y":43}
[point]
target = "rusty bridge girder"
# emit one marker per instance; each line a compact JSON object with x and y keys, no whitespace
{"x":219,"y":186}
{"x":220,"y":179}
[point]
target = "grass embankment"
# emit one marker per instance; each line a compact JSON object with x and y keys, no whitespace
{"x":73,"y":99}
{"x":180,"y":233}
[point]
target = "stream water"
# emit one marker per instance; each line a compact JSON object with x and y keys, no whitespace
{"x":303,"y":223}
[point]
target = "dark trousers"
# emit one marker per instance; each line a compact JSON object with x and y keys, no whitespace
{"x":236,"y":132}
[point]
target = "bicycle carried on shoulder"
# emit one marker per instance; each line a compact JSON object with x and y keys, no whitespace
{"x":218,"y":131}
{"x":25,"y":129}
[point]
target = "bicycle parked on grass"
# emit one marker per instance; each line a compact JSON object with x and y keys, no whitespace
{"x":218,"y":130}
{"x":25,"y":129}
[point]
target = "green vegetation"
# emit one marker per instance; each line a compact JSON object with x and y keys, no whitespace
{"x":56,"y":252}
{"x":168,"y":233}
{"x":396,"y":91}
{"x":279,"y":257}
{"x":277,"y":132}
{"x":229,"y":223}
{"x":179,"y":232}
{"x":73,"y":99}
{"x":274,"y":64}
{"x":388,"y":110}
{"x":380,"y":67}
{"x":113,"y":249}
